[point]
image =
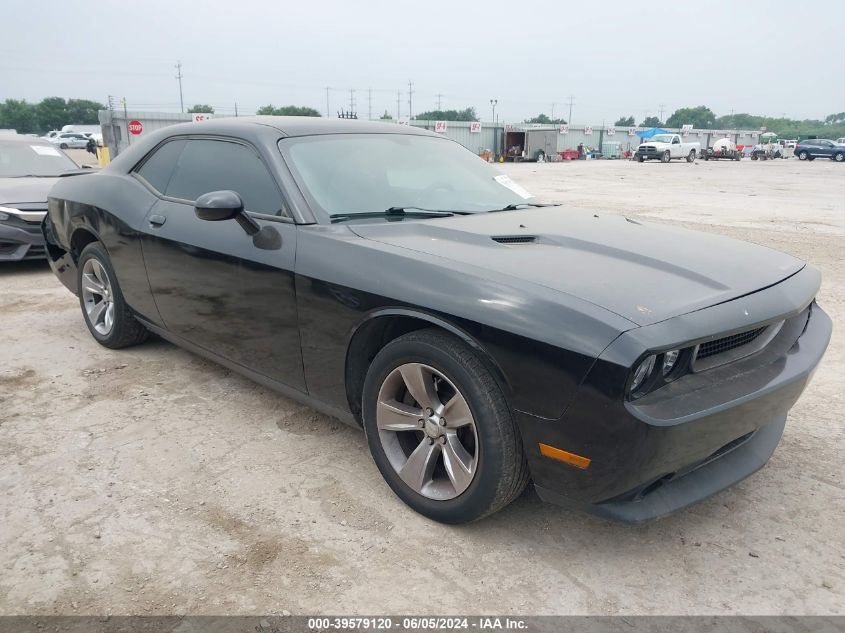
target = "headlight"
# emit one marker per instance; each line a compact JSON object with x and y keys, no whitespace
{"x":642,"y":372}
{"x":669,"y":360}
{"x":657,"y":370}
{"x":7,"y":212}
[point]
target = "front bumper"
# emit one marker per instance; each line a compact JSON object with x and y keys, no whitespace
{"x":650,"y":153}
{"x":20,"y":240}
{"x":688,"y":440}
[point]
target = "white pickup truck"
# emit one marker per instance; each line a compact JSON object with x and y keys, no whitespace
{"x":665,"y":147}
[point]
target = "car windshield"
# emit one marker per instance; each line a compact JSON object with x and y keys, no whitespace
{"x":348,"y":174}
{"x":662,"y":138}
{"x":37,"y":159}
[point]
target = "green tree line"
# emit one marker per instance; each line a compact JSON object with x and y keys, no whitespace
{"x":48,"y":114}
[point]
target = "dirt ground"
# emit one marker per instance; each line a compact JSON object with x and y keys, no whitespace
{"x":152,"y":481}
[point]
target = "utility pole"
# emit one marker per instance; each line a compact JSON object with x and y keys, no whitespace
{"x":571,"y":102}
{"x":236,"y":109}
{"x":179,"y":77}
{"x":410,"y":93}
{"x":369,"y":104}
{"x":398,"y":103}
{"x":352,"y":99}
{"x":328,"y":110}
{"x":553,"y":112}
{"x":493,"y":103}
{"x":439,"y":100}
{"x":660,"y":109}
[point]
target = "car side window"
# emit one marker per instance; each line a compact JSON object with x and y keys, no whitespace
{"x":212,"y":165}
{"x":158,"y":168}
{"x":676,"y":141}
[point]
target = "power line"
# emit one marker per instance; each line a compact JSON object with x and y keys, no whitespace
{"x":179,"y":77}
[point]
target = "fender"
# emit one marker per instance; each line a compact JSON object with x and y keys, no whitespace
{"x":435,"y":320}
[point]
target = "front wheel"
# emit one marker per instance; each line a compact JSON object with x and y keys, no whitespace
{"x":691,"y":156}
{"x":803,"y":155}
{"x":667,"y":156}
{"x":640,"y":159}
{"x":63,"y":146}
{"x":440,"y":430}
{"x":106,"y":313}
{"x":839,"y":157}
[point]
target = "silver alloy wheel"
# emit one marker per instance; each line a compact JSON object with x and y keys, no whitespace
{"x":97,"y":296}
{"x":427,"y":431}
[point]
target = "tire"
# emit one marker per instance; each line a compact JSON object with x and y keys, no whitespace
{"x":640,"y":159}
{"x":63,"y":146}
{"x":666,"y":157}
{"x":113,"y":325}
{"x":839,"y":157}
{"x":810,"y":157}
{"x":803,"y":155}
{"x":754,"y":156}
{"x":490,"y":441}
{"x":691,"y":156}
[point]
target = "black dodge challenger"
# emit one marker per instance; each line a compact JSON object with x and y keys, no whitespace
{"x":387,"y":276}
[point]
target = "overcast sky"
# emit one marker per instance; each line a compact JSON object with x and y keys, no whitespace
{"x":616,"y":58}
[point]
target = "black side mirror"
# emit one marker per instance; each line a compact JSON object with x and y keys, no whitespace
{"x":217,"y":206}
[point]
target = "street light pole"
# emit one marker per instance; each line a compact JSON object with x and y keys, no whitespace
{"x":493,"y":103}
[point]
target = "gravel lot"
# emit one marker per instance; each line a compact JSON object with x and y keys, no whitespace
{"x":152,"y":481}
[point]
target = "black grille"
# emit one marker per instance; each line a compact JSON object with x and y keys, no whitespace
{"x":515,"y":239}
{"x":727,"y":343}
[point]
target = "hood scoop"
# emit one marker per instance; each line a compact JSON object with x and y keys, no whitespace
{"x":515,"y":240}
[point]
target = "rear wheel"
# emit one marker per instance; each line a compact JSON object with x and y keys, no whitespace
{"x":440,"y":430}
{"x":666,"y":157}
{"x":839,"y":157}
{"x":803,"y":155}
{"x":691,"y":156}
{"x":810,"y":157}
{"x":106,"y":313}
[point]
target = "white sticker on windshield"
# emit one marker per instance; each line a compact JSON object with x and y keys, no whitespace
{"x":45,"y":150}
{"x":506,"y":181}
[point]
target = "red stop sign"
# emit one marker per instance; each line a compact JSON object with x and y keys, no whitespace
{"x":135,"y":127}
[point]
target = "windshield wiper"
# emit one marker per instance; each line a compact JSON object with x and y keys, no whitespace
{"x":397,"y":212}
{"x":519,"y":205}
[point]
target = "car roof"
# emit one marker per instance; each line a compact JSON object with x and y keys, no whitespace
{"x":298,"y":126}
{"x":23,"y":138}
{"x":254,"y":127}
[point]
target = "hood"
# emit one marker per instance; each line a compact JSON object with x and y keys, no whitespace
{"x":644,"y":273}
{"x":25,"y":190}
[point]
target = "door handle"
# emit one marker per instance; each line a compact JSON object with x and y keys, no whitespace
{"x":157,"y":220}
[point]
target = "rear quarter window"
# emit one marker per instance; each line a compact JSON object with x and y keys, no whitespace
{"x":158,"y":168}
